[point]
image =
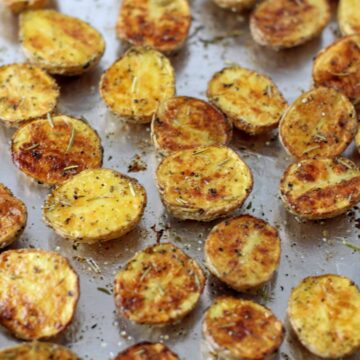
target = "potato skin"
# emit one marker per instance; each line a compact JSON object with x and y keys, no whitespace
{"x":235,"y":5}
{"x":287,"y":23}
{"x":324,"y":313}
{"x":147,"y":351}
{"x":320,"y":123}
{"x":158,"y":286}
{"x":162,"y":25}
{"x":349,"y":17}
{"x":320,"y":188}
{"x":63,"y":142}
{"x":17,"y":6}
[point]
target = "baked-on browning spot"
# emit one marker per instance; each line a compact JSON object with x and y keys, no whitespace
{"x":203,"y":183}
{"x":338,"y":67}
{"x":135,"y":85}
{"x":17,"y":6}
{"x":159,"y":285}
{"x":320,"y":188}
{"x":320,"y":123}
{"x":59,"y":43}
{"x":54,"y":149}
{"x":324,"y":313}
{"x":243,"y":252}
{"x":26,"y":92}
{"x":349,"y":17}
{"x":235,"y":5}
{"x":250,"y":100}
{"x":288,"y":23}
{"x":183,"y":122}
{"x":39,"y":292}
{"x":95,"y":205}
{"x":241,"y":329}
{"x":13,"y":216}
{"x":162,"y":25}
{"x":147,"y":351}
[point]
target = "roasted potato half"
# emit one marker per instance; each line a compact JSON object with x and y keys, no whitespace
{"x":147,"y":351}
{"x":240,"y":329}
{"x":39,"y":292}
{"x":183,"y":122}
{"x":349,"y":17}
{"x":250,"y":100}
{"x":324,"y":313}
{"x":320,"y":123}
{"x":320,"y":188}
{"x":243,"y":252}
{"x":26,"y":92}
{"x":59,"y":43}
{"x":357,"y":139}
{"x":13,"y":216}
{"x":54,"y":149}
{"x":95,"y":205}
{"x":134,"y":86}
{"x":287,"y":23}
{"x":235,"y":5}
{"x":338,"y":67}
{"x":161,"y":24}
{"x":158,"y":286}
{"x":203,"y":183}
{"x":17,"y":6}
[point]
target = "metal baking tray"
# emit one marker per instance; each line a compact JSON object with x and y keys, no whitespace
{"x":217,"y":38}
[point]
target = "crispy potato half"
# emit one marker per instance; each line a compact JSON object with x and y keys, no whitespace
{"x":147,"y":351}
{"x":134,"y":86}
{"x":320,"y":188}
{"x":38,"y":351}
{"x":59,"y":43}
{"x":243,"y":252}
{"x":349,"y":17}
{"x":54,"y":149}
{"x":13,"y":216}
{"x":357,"y":139}
{"x":338,"y":67}
{"x":235,"y":5}
{"x":95,"y":205}
{"x":17,"y":6}
{"x":26,"y":92}
{"x":250,"y":100}
{"x":320,"y":123}
{"x":30,"y":310}
{"x":158,"y":286}
{"x":161,"y":24}
{"x":324,"y":313}
{"x":183,"y":122}
{"x":287,"y":23}
{"x":203,"y":183}
{"x":241,"y":329}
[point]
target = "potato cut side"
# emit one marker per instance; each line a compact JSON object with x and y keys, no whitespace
{"x":158,"y":286}
{"x":13,"y":216}
{"x":17,"y":6}
{"x":243,"y":252}
{"x":235,"y":5}
{"x":147,"y":351}
{"x":338,"y":67}
{"x":288,"y":23}
{"x":204,"y":183}
{"x":239,"y":329}
{"x":324,"y":313}
{"x":161,"y":24}
{"x":59,"y":43}
{"x":251,"y":100}
{"x":95,"y":205}
{"x":54,"y":149}
{"x":357,"y":139}
{"x":320,"y":188}
{"x":39,"y":292}
{"x":349,"y":17}
{"x":135,"y":85}
{"x":184,"y":123}
{"x":320,"y":123}
{"x":26,"y":92}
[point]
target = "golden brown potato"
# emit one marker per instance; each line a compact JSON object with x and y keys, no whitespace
{"x":250,"y":100}
{"x":357,"y":139}
{"x":163,"y":25}
{"x":235,"y":5}
{"x":17,"y":6}
{"x":39,"y":292}
{"x":239,"y":329}
{"x":324,"y":313}
{"x":320,"y":188}
{"x":59,"y":43}
{"x":320,"y":123}
{"x":54,"y":149}
{"x":183,"y":122}
{"x":158,"y":286}
{"x":147,"y":351}
{"x":349,"y":17}
{"x":288,"y":23}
